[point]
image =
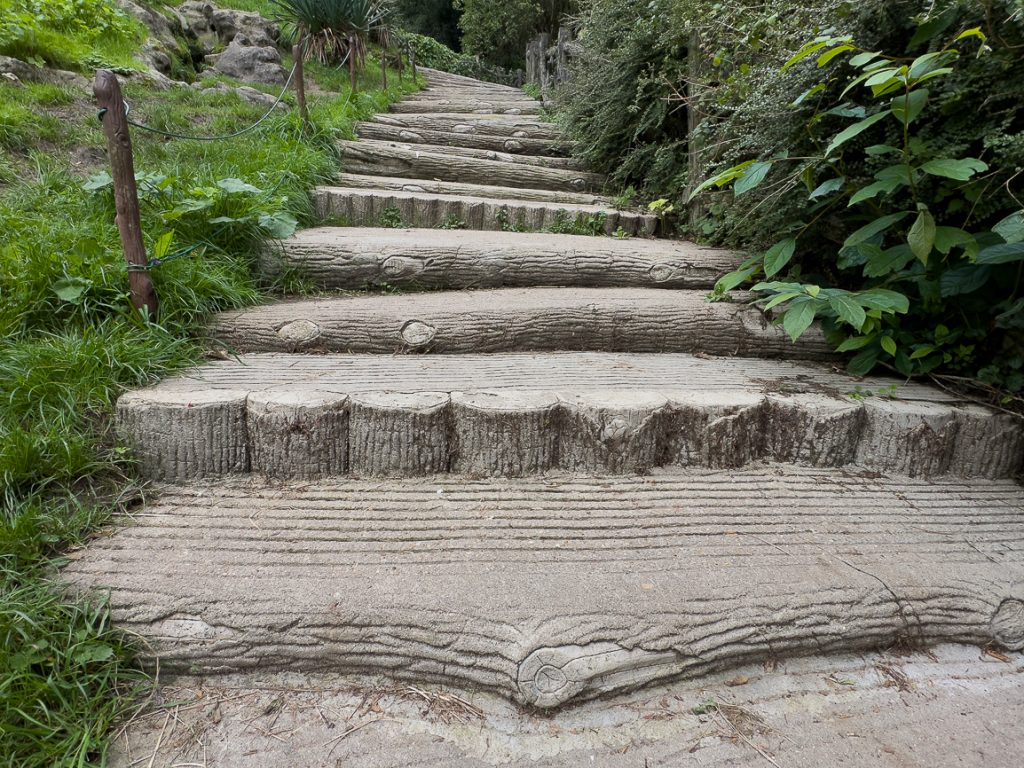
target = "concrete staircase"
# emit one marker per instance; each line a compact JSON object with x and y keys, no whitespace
{"x":549,"y":478}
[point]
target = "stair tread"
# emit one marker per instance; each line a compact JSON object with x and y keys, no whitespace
{"x":612,"y":582}
{"x":472,"y":191}
{"x":516,"y":319}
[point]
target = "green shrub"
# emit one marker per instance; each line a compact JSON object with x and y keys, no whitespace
{"x":69,"y":33}
{"x":498,"y":30}
{"x":436,"y":55}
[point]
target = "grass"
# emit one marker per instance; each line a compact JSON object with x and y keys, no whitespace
{"x":71,"y":344}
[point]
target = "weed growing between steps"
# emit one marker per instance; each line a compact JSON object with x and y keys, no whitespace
{"x":72,"y":344}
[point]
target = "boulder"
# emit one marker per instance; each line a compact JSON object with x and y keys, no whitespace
{"x":250,"y":63}
{"x":215,"y":27}
{"x":23,"y":70}
{"x":243,"y":92}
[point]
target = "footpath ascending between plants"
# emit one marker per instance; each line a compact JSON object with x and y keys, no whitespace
{"x":559,"y":474}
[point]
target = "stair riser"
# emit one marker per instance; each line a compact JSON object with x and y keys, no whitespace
{"x":507,"y":126}
{"x":481,"y":107}
{"x":395,"y":161}
{"x":691,"y":325}
{"x":382,"y":132}
{"x":297,"y":434}
{"x":563,"y":163}
{"x":385,"y":183}
{"x":371,"y":209}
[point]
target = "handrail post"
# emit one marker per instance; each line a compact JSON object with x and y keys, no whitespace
{"x":384,"y":68}
{"x":114,"y":116}
{"x":300,"y":82}
{"x":412,"y":63}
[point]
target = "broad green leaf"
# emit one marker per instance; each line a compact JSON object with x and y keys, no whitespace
{"x":1011,"y":229}
{"x":933,"y":74}
{"x":921,"y":237}
{"x":882,"y":76}
{"x":163,"y":245}
{"x":888,"y":344}
{"x":882,"y":149}
{"x":826,"y":57}
{"x":873,"y":190}
{"x":854,"y":130}
{"x":752,"y":176}
{"x":812,"y":290}
{"x":864,"y":362}
{"x":864,"y":58}
{"x":799,"y":316}
{"x":920,"y":352}
{"x":280,"y":225}
{"x":782,"y":297}
{"x":729,"y":281}
{"x":722,"y":178}
{"x":237,"y":185}
{"x":907,"y":107}
{"x":812,"y":91}
{"x":88,"y":653}
{"x":828,"y":187}
{"x":948,"y":238}
{"x":778,"y":256}
{"x":924,"y":64}
{"x":882,"y":263}
{"x":848,"y":310}
{"x":875,"y":227}
{"x":72,"y":289}
{"x":964,"y":280}
{"x":98,"y":181}
{"x":808,"y":49}
{"x":961,"y":170}
{"x":884,"y":299}
{"x":1003,"y":253}
{"x":973,"y":32}
{"x":854,"y":342}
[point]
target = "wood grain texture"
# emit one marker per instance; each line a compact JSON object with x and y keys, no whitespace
{"x":426,"y":210}
{"x":615,"y":413}
{"x":517,"y":320}
{"x":384,"y":159}
{"x":388,"y":183}
{"x":354,"y":257}
{"x":524,"y":146}
{"x":565,"y":163}
{"x":547,"y":593}
{"x":485,"y":125}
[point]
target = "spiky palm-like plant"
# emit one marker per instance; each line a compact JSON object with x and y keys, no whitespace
{"x":335,"y":30}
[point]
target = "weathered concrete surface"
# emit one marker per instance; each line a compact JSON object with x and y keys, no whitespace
{"x":390,"y":159}
{"x":955,"y":707}
{"x":526,"y":146}
{"x":451,"y":102}
{"x":436,"y":78}
{"x":379,"y":183}
{"x":550,"y":590}
{"x":516,"y":320}
{"x":618,"y":413}
{"x":509,"y":126}
{"x":540,"y":161}
{"x":349,"y":257}
{"x":369,"y":207}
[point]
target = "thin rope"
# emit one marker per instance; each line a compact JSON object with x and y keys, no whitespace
{"x":172,"y":135}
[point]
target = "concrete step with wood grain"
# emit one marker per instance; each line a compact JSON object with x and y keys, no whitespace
{"x":507,"y":126}
{"x":512,"y":145}
{"x":436,"y":78}
{"x":404,"y":161}
{"x":539,"y":161}
{"x":456,"y":103}
{"x":513,"y":414}
{"x":516,"y":320}
{"x":351,"y":258}
{"x":396,"y":184}
{"x":551,"y":592}
{"x":520,"y":212}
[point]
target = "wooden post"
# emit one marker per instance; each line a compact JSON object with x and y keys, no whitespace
{"x":401,"y":65}
{"x":352,"y":63}
{"x":126,"y":194}
{"x":300,"y":83}
{"x":384,"y":68}
{"x":695,"y":143}
{"x":412,"y":62}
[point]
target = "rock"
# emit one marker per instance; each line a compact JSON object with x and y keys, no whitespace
{"x":214,"y":27}
{"x":23,"y":70}
{"x":250,"y":63}
{"x":244,"y":92}
{"x":164,"y":44}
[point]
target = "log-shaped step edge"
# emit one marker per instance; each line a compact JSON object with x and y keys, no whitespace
{"x":405,"y":161}
{"x":392,"y":184}
{"x":516,"y":320}
{"x":548,"y":592}
{"x":512,"y":145}
{"x":508,"y":126}
{"x":539,"y":161}
{"x":361,"y":207}
{"x":436,"y":78}
{"x":349,"y":258}
{"x":456,"y":103}
{"x":506,"y":414}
